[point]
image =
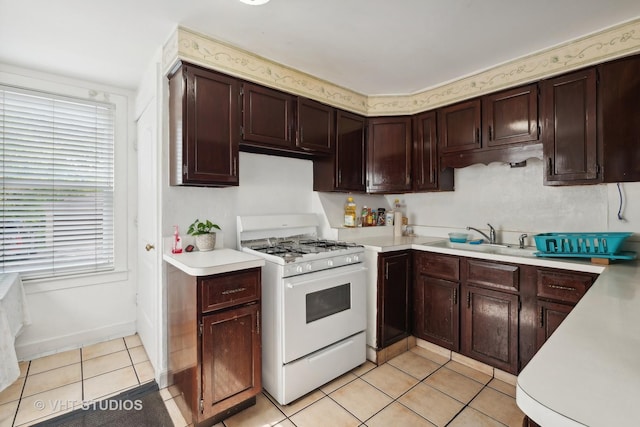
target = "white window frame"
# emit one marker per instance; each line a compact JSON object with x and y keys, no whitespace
{"x":62,"y":86}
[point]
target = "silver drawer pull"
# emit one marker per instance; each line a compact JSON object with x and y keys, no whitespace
{"x":233,"y":291}
{"x":562,"y":288}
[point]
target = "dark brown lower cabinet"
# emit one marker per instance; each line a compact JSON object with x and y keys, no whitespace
{"x":490,"y":327}
{"x":436,"y":311}
{"x":494,"y":312}
{"x":551,"y":314}
{"x":230,"y":366}
{"x":393,"y":297}
{"x":214,"y":343}
{"x":527,"y":422}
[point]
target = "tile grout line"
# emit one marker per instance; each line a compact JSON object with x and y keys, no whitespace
{"x":131,"y":360}
{"x":26,"y":374}
{"x":81,"y":376}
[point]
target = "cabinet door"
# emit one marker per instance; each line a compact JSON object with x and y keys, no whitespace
{"x":459,"y":126}
{"x":267,"y":116}
{"x":231,"y":358}
{"x":436,"y":311}
{"x":393,"y":297}
{"x":316,"y":126}
{"x":569,"y":132}
{"x":490,"y":328}
{"x":350,"y":152}
{"x":389,"y":155}
{"x":205,"y":123}
{"x":550,"y":316}
{"x":618,"y":121}
{"x":510,"y":117}
{"x":426,"y":173}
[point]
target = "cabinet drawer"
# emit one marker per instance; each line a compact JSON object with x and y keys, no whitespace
{"x":488,"y":274}
{"x":436,"y":265}
{"x":567,"y":287}
{"x":229,"y":289}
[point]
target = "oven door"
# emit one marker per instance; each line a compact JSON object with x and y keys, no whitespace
{"x":322,"y":308}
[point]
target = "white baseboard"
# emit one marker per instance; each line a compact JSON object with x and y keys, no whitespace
{"x":35,"y":349}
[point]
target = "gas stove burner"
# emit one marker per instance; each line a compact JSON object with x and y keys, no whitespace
{"x":329,"y":244}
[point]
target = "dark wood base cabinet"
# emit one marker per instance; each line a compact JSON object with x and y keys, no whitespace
{"x":490,"y":327}
{"x":214,"y":343}
{"x":436,"y":310}
{"x":494,"y":312}
{"x":394,"y":273}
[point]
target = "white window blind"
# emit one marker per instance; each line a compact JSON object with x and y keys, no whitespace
{"x":57,"y":184}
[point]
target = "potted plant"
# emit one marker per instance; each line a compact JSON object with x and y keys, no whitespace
{"x":205,"y":239}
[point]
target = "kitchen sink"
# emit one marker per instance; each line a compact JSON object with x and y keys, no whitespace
{"x":488,"y":248}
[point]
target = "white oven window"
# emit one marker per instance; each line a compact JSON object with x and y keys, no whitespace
{"x":326,"y":302}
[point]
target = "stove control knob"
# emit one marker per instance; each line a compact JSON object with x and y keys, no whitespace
{"x":309,"y":267}
{"x":356,"y":258}
{"x":348,"y":260}
{"x":330,"y":263}
{"x":299,"y":269}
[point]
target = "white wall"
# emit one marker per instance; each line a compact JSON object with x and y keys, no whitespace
{"x":514,"y":201}
{"x":268,"y":185}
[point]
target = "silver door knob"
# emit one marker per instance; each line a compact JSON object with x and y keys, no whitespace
{"x":149,"y":246}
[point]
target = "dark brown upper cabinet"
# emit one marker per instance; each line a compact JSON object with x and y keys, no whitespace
{"x":389,"y":154}
{"x":204,"y":125}
{"x":316,"y":126}
{"x":510,"y":117}
{"x":346,"y":170}
{"x":267,"y":116}
{"x":619,"y":119}
{"x":502,"y":126}
{"x":570,"y":138}
{"x":459,"y":126}
{"x":275,"y":122}
{"x":426,"y":174}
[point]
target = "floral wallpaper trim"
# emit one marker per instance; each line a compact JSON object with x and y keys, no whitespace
{"x":606,"y":45}
{"x":611,"y":43}
{"x":201,"y":50}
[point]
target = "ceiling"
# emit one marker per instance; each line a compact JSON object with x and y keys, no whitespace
{"x":374,"y":47}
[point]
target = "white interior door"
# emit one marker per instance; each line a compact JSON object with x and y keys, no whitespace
{"x":149,"y":300}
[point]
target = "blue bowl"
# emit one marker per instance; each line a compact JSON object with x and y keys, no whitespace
{"x":458,"y":237}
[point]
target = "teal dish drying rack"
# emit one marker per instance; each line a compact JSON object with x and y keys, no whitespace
{"x":583,"y":245}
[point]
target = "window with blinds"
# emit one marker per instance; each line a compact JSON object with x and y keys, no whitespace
{"x":56,"y":184}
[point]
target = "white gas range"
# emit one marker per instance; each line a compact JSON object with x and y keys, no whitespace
{"x":313,"y":303}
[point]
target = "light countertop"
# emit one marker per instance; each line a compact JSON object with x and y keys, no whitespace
{"x":588,"y":372}
{"x":212,"y":262}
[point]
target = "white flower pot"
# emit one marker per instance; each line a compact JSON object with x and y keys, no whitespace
{"x":206,"y":242}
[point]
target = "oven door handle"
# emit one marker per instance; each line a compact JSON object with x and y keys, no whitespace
{"x":297,"y":282}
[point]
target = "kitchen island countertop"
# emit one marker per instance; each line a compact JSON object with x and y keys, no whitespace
{"x":212,"y":262}
{"x":587,"y":372}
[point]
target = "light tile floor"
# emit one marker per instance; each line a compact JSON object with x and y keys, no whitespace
{"x":417,"y":388}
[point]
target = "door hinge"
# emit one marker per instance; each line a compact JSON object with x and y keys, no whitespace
{"x":242,"y":132}
{"x":202,"y":406}
{"x":184,"y":169}
{"x":519,"y":305}
{"x":201,"y":329}
{"x":597,"y":169}
{"x":241,"y":90}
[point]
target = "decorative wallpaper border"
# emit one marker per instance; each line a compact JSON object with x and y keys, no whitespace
{"x":614,"y":42}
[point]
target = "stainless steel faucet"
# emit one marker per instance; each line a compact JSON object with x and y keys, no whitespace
{"x":492,"y":233}
{"x":521,"y":240}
